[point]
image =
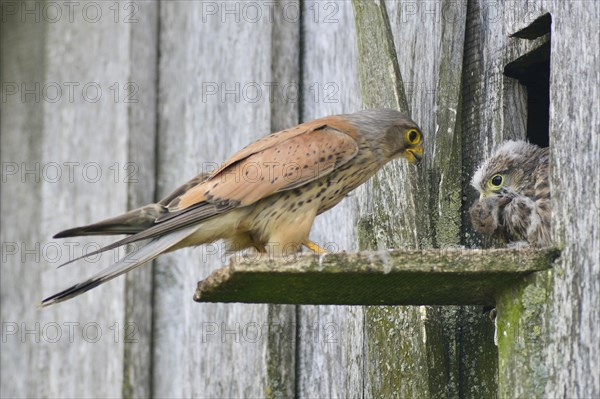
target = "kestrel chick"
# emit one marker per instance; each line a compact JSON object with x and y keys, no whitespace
{"x":514,"y":201}
{"x":265,"y":196}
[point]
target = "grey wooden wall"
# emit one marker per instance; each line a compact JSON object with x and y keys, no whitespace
{"x":205,"y":79}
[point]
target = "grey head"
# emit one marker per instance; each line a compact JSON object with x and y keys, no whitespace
{"x":390,"y":133}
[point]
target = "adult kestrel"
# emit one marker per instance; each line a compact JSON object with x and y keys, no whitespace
{"x":514,"y":202}
{"x":265,"y":196}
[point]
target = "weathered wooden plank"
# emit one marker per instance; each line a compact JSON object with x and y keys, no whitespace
{"x":20,"y":124}
{"x":330,"y":338}
{"x":214,"y":98}
{"x":428,"y":41}
{"x":285,"y":70}
{"x":575,"y":353}
{"x":428,"y":277}
{"x":79,"y":110}
{"x":481,"y":93}
{"x":388,"y":218}
{"x":380,"y":78}
{"x":434,"y":86}
{"x":522,"y":335}
{"x":143,"y":77}
{"x":93,"y":130}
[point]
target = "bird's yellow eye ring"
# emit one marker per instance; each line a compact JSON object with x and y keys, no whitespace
{"x":413,"y":136}
{"x":496,"y":181}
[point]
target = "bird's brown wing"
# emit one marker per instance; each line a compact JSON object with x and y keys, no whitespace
{"x":183,"y":188}
{"x":288,"y":162}
{"x":273,"y":139}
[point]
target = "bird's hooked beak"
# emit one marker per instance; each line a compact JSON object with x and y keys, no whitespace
{"x":503,"y":197}
{"x":414,"y":155}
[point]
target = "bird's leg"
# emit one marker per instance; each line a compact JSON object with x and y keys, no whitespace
{"x":314,"y":247}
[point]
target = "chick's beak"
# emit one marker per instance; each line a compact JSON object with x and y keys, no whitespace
{"x":414,"y":155}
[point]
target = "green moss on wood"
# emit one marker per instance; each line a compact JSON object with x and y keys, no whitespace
{"x":280,"y":352}
{"x":522,"y":332}
{"x":399,"y":367}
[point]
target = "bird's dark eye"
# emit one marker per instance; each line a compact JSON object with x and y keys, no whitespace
{"x":496,"y":181}
{"x":412,"y":136}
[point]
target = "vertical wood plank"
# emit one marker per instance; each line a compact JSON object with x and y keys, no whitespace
{"x":251,"y":350}
{"x":481,"y":90}
{"x":140,"y":173}
{"x":78,"y":110}
{"x":20,"y":124}
{"x":575,"y":145}
{"x":430,"y":66}
{"x":465,"y":334}
{"x":76,"y":132}
{"x":330,"y":339}
{"x":217,"y":93}
{"x":285,"y":108}
{"x":393,"y":335}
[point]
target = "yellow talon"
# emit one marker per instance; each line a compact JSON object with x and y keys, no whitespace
{"x":314,"y":247}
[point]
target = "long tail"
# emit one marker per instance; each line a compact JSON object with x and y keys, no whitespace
{"x":137,"y":220}
{"x":132,"y":260}
{"x":129,"y":223}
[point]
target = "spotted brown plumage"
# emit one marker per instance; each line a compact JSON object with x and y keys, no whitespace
{"x":266,"y":196}
{"x":514,"y":202}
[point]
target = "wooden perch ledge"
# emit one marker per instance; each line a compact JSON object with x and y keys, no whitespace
{"x":432,"y":277}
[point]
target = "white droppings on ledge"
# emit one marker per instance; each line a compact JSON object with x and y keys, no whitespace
{"x":321,"y":258}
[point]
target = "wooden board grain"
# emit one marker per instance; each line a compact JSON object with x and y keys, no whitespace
{"x":20,"y":124}
{"x":143,"y":77}
{"x":420,"y":206}
{"x":71,"y":131}
{"x":575,"y":353}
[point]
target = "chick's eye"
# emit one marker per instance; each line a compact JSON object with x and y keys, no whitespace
{"x":496,"y":181}
{"x":412,"y":136}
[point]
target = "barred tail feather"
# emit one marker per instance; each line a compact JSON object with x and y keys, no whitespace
{"x":134,"y":259}
{"x":129,"y":223}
